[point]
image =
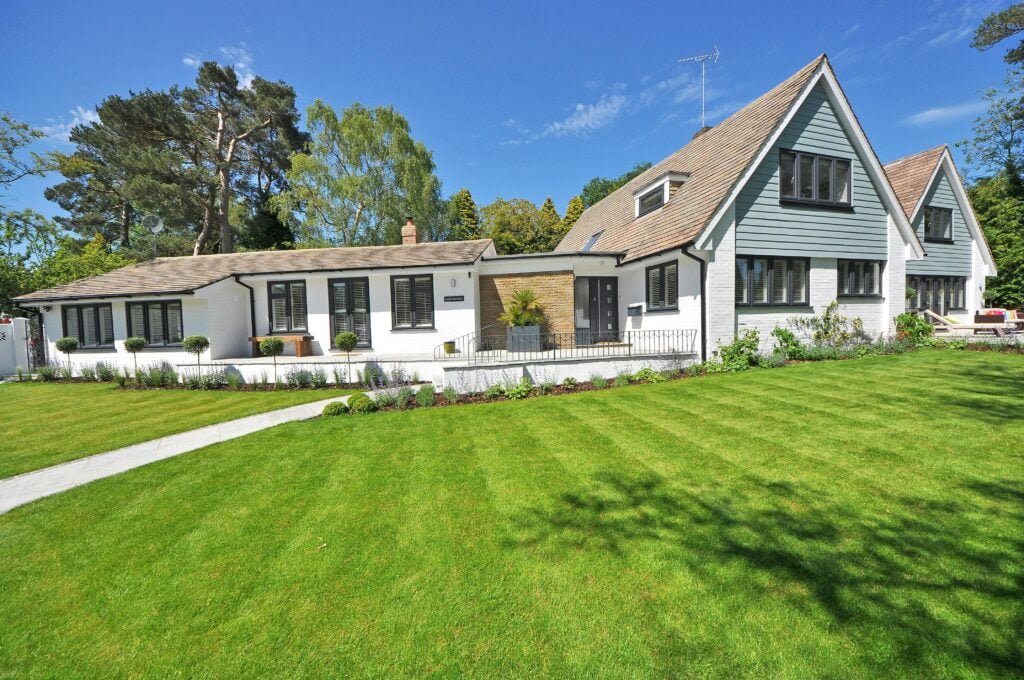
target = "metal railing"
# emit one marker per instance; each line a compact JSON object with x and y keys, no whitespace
{"x":490,"y":345}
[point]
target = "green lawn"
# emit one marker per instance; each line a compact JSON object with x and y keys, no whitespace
{"x":46,"y":423}
{"x":859,"y":518}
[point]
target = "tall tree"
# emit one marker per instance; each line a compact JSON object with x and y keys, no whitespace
{"x":998,"y":142}
{"x":73,"y":260}
{"x":14,"y":137}
{"x":463,"y":216}
{"x":26,"y":239}
{"x":999,"y":26}
{"x":1000,"y":211}
{"x":599,"y":187}
{"x":516,"y":226}
{"x":550,"y":227}
{"x":234,"y":121}
{"x":360,"y":177}
{"x":573,"y":212}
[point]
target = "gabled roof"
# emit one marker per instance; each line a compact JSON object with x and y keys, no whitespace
{"x":715,"y":161}
{"x":911,"y":175}
{"x":183,"y":275}
{"x":718,"y":163}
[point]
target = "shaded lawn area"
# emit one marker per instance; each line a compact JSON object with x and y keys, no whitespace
{"x":857,"y":518}
{"x":45,"y":423}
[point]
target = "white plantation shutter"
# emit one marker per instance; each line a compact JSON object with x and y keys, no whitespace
{"x":156,"y":325}
{"x":71,"y":322}
{"x":780,"y":282}
{"x":424,"y":301}
{"x":298,"y":298}
{"x":339,"y":299}
{"x":175,"y":331}
{"x":278,"y":307}
{"x":741,"y":281}
{"x":360,"y":313}
{"x":106,"y":315}
{"x":137,"y":321}
{"x":403,"y":302}
{"x":654,"y":287}
{"x":799,"y":281}
{"x":671,"y":285}
{"x":90,"y":329}
{"x":759,"y":281}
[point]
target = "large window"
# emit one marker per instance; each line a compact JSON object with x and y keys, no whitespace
{"x":651,"y":201}
{"x":780,"y":281}
{"x":663,"y":287}
{"x":287,"y":306}
{"x":938,"y":224}
{"x":350,"y":308}
{"x":940,"y":294}
{"x":92,"y":325}
{"x":860,"y":278}
{"x":812,"y":178}
{"x":412,"y":301}
{"x":158,"y":322}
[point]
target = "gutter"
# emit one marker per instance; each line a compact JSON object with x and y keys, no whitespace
{"x":252,"y":304}
{"x":703,"y":300}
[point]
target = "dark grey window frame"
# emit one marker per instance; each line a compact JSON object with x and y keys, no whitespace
{"x":288,"y":306}
{"x":350,"y":295}
{"x":878,"y":282}
{"x":915,"y":281}
{"x":145,"y":304}
{"x":924,"y":224}
{"x":414,"y":291}
{"x":770,"y":281}
{"x":591,"y":241}
{"x":79,"y":312}
{"x":795,"y":198}
{"x":660,"y":190}
{"x":664,"y":307}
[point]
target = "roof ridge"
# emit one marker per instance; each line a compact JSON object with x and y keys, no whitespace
{"x":902,"y":159}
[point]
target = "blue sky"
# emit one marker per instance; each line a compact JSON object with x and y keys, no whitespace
{"x":514,"y":99}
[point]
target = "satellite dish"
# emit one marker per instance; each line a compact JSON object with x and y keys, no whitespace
{"x":153,"y":223}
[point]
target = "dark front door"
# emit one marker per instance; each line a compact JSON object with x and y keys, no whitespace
{"x":604,"y":309}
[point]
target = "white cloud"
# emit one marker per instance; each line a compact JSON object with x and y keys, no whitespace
{"x":852,"y":30}
{"x":191,"y":60}
{"x":944,"y":114}
{"x":951,"y":36}
{"x":59,"y":129}
{"x":239,"y":57}
{"x":587,"y":118}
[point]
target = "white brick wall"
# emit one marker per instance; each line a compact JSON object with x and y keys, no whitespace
{"x":721,"y":286}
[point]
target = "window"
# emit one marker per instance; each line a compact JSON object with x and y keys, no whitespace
{"x":938,"y":224}
{"x":813,"y":178}
{"x":592,"y":241}
{"x":412,"y":301}
{"x":651,"y":201}
{"x":350,"y":308}
{"x":780,"y":281}
{"x":860,"y":278}
{"x":158,"y":322}
{"x":287,"y":301}
{"x":92,"y":325}
{"x":940,"y":294}
{"x":663,"y":286}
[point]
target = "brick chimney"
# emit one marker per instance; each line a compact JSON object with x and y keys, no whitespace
{"x":409,"y":233}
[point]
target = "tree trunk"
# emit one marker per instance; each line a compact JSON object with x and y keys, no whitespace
{"x":204,"y":233}
{"x":126,"y":213}
{"x":226,"y":237}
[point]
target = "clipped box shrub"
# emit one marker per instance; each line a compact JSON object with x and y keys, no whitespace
{"x":359,"y":403}
{"x":335,"y":408}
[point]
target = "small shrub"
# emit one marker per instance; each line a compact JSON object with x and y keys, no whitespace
{"x":830,"y":327}
{"x":121,"y":378}
{"x":211,"y":381}
{"x":359,"y":404}
{"x":318,"y":377}
{"x":546,"y":387}
{"x":88,"y":373}
{"x":234,"y":380}
{"x":451,"y":395}
{"x":66,"y":373}
{"x":694,"y":370}
{"x":569,"y":383}
{"x":495,"y":391}
{"x":788,"y":343}
{"x":385,"y":398}
{"x":914,"y":328}
{"x":425,"y":396}
{"x":399,"y":376}
{"x":20,"y":372}
{"x":335,"y":408}
{"x":68,"y":346}
{"x":622,"y":379}
{"x":519,"y":390}
{"x":299,"y":377}
{"x":404,"y":397}
{"x":105,"y":372}
{"x":47,"y":373}
{"x":739,"y":354}
{"x":346,"y":341}
{"x":649,"y":375}
{"x":273,"y":348}
{"x":776,"y":359}
{"x":196,"y":344}
{"x":372,"y":375}
{"x":134,"y":345}
{"x":598,"y":381}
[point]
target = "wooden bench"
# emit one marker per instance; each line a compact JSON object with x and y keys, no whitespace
{"x":303,"y":343}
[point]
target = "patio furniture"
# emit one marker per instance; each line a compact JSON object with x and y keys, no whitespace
{"x":303,"y":343}
{"x":1000,"y":328}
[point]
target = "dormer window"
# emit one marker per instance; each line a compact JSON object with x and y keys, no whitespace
{"x":813,"y":178}
{"x":592,"y":241}
{"x":651,"y":201}
{"x":938,"y":224}
{"x":655,"y":195}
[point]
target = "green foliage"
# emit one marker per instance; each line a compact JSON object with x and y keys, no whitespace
{"x":494,"y":391}
{"x":234,"y":380}
{"x":622,"y":379}
{"x":425,"y":396}
{"x":450,"y":395}
{"x":787,"y":342}
{"x":463,"y":217}
{"x":67,"y":345}
{"x":999,"y":26}
{"x":599,"y":187}
{"x":134,"y":344}
{"x":740,"y":354}
{"x":271,"y":347}
{"x":572,"y":213}
{"x":999,"y":206}
{"x":195,"y":344}
{"x":26,"y":239}
{"x":776,"y":359}
{"x":514,"y":225}
{"x":66,"y":373}
{"x":162,"y":375}
{"x":830,"y":327}
{"x":105,"y":372}
{"x":299,"y":377}
{"x":359,"y":178}
{"x":522,"y":309}
{"x":73,"y":260}
{"x":318,"y":378}
{"x":47,"y":373}
{"x":346,"y":341}
{"x":649,"y":375}
{"x":551,"y":227}
{"x":210,"y":381}
{"x":359,"y":404}
{"x":598,"y":381}
{"x":88,"y":373}
{"x":335,"y":408}
{"x":519,"y":390}
{"x":912,"y":327}
{"x":404,"y":396}
{"x":569,"y":383}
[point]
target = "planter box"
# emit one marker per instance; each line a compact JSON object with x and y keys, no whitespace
{"x":523,"y":339}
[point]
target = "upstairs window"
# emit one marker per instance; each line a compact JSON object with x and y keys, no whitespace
{"x":287,"y":306}
{"x":91,"y":325}
{"x":778,"y":281}
{"x":938,"y":224}
{"x":663,"y":287}
{"x":860,"y":278}
{"x":158,"y":322}
{"x":412,"y":301}
{"x":651,"y":201}
{"x":812,"y":178}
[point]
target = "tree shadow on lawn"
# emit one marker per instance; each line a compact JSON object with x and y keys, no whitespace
{"x":988,"y":394}
{"x":927,"y":580}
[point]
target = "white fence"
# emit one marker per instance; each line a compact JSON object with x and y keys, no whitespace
{"x":13,"y":346}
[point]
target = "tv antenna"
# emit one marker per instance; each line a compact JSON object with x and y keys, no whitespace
{"x":155,"y":225}
{"x":703,"y":59}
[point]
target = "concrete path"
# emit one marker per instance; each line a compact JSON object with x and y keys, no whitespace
{"x":30,"y":486}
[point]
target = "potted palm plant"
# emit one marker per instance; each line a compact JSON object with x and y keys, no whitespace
{"x":523,"y":316}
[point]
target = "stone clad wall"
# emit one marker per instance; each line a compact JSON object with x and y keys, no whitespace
{"x":554,"y":291}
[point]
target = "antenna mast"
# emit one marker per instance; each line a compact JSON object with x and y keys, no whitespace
{"x":703,"y":59}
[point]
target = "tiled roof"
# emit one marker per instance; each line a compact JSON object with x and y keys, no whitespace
{"x":909,"y":176}
{"x":715,"y":161}
{"x":167,"y":275}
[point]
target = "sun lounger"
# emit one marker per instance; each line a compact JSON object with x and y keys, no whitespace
{"x":942,"y":323}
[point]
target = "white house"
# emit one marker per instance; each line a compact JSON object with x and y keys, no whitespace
{"x":773,"y":213}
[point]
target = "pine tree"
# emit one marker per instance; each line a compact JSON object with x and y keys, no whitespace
{"x":572,"y":212}
{"x":463,"y":216}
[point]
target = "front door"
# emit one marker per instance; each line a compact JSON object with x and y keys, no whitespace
{"x":604,"y":309}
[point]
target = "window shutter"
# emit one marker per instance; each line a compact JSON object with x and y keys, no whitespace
{"x":741,"y":280}
{"x":842,"y":183}
{"x":780,"y":282}
{"x":654,"y":287}
{"x":137,"y":321}
{"x":671,"y":285}
{"x":424,"y":301}
{"x":106,"y":325}
{"x":402,"y":288}
{"x":71,"y":322}
{"x":361,"y":310}
{"x":339,"y":298}
{"x":90,"y":331}
{"x":298,"y":295}
{"x":799,"y":282}
{"x":156,"y":325}
{"x":175,"y":332}
{"x":759,"y":281}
